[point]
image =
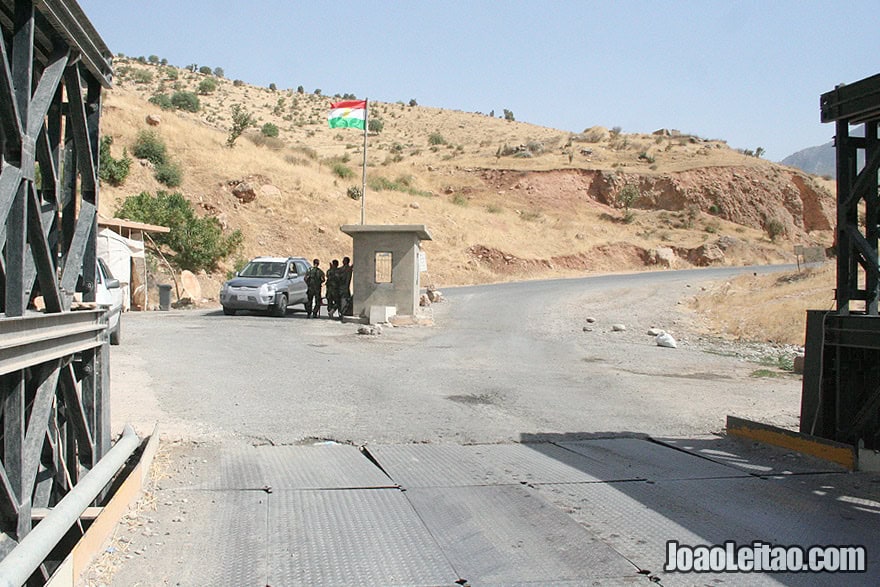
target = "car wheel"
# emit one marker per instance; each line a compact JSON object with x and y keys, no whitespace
{"x":280,"y":308}
{"x":228,"y":311}
{"x":116,"y":333}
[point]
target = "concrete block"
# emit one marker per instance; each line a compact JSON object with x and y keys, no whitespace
{"x":381,"y":314}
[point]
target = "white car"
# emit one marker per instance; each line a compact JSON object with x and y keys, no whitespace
{"x":108,"y":293}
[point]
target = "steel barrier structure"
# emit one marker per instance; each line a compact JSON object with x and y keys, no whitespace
{"x":54,"y":377}
{"x":841,"y":389}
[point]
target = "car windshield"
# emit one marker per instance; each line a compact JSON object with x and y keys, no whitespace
{"x":263,"y":269}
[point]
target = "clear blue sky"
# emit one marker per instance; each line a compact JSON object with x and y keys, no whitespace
{"x":750,"y":72}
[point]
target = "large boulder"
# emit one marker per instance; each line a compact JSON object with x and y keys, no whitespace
{"x":245,"y":192}
{"x":663,"y":256}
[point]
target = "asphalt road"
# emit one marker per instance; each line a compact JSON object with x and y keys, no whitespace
{"x":502,"y":362}
{"x":505,"y":446}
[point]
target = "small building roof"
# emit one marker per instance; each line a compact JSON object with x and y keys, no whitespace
{"x":420,"y":230}
{"x":131,"y":225}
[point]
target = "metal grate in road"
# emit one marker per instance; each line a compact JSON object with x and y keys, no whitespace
{"x":447,"y":465}
{"x":637,"y":458}
{"x":510,"y":534}
{"x":356,"y":537}
{"x":296,"y":468}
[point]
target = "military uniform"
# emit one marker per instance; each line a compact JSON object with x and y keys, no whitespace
{"x":314,"y":281}
{"x":344,"y":277}
{"x":333,"y":289}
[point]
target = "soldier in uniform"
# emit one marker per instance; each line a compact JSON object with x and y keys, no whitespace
{"x":314,"y":281}
{"x":344,"y":277}
{"x":333,"y":288}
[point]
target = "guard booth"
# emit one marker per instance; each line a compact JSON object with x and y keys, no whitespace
{"x":385,"y":275}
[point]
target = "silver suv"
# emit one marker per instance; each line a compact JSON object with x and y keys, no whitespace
{"x":266,"y":283}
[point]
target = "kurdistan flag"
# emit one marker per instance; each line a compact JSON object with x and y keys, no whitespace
{"x":348,"y":114}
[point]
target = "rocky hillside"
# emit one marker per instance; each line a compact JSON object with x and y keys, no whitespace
{"x":502,"y":199}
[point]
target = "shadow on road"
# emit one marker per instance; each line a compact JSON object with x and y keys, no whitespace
{"x":708,"y":491}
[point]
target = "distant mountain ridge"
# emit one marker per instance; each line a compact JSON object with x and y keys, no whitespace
{"x":819,"y":160}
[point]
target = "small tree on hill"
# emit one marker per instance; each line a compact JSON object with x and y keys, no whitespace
{"x":185,"y":101}
{"x":241,"y":121}
{"x":207,"y":86}
{"x":375,"y":125}
{"x":196,"y":243}
{"x":627,"y":197}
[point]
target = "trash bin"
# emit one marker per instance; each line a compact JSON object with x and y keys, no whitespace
{"x":164,"y":297}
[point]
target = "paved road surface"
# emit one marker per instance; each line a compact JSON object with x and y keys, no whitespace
{"x":505,"y":445}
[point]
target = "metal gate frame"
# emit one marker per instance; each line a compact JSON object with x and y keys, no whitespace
{"x":54,"y":365}
{"x":841,"y":389}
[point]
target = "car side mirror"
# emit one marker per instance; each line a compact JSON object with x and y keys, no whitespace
{"x":112,"y":283}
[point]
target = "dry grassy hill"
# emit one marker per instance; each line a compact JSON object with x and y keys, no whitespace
{"x":503,"y":199}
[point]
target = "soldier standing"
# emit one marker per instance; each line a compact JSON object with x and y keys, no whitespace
{"x":314,"y":281}
{"x":333,"y":288}
{"x":344,"y":277}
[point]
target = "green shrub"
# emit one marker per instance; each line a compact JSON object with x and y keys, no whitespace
{"x":237,"y":83}
{"x":774,"y":228}
{"x":185,"y":101}
{"x":113,"y":171}
{"x":171,"y":73}
{"x":150,"y":146}
{"x":375,"y":125}
{"x":205,"y":70}
{"x":207,"y":86}
{"x":435,"y":138}
{"x":169,"y":173}
{"x":218,"y":72}
{"x":269,"y":130}
{"x":195,"y":243}
{"x":262,"y":140}
{"x":162,"y":101}
{"x":354,"y":193}
{"x":341,"y":170}
{"x":142,"y":76}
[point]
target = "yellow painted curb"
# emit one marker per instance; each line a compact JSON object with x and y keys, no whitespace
{"x":836,"y":452}
{"x":89,"y":546}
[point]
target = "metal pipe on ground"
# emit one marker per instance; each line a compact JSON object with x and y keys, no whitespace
{"x":36,"y":546}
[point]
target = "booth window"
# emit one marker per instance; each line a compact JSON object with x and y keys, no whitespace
{"x":383,"y":267}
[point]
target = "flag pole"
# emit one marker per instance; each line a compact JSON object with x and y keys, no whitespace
{"x":364,"y":172}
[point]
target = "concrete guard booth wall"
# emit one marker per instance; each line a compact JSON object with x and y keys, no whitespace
{"x":375,"y":242}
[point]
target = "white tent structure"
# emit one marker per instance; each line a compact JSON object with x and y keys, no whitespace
{"x":118,"y":252}
{"x":121,"y":246}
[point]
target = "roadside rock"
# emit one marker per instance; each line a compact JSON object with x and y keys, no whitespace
{"x":665,"y":339}
{"x":153,"y":119}
{"x":245,"y":192}
{"x":618,"y":327}
{"x":663,"y":256}
{"x":655,"y":331}
{"x":370,"y":330}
